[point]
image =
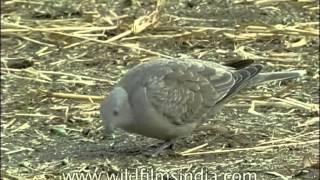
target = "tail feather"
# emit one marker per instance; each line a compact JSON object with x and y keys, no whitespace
{"x":271,"y":76}
{"x":250,"y":76}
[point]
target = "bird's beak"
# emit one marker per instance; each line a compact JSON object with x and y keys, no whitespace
{"x":109,"y":129}
{"x":109,"y":132}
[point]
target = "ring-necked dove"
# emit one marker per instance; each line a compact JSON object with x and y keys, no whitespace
{"x":168,"y":98}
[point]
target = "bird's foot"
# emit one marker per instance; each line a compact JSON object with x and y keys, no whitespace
{"x":159,"y":148}
{"x":233,"y":140}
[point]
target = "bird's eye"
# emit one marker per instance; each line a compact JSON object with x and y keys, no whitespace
{"x":115,"y":113}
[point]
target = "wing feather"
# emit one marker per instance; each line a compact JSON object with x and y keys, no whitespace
{"x":185,"y":92}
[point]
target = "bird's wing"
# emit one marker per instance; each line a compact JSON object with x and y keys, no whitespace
{"x":184,"y":92}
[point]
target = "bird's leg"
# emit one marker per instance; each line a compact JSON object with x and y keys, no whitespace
{"x":170,"y":144}
{"x":162,"y":146}
{"x":230,"y":136}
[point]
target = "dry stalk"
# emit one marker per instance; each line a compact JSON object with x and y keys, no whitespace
{"x":257,"y":148}
{"x":290,"y":139}
{"x":72,"y":96}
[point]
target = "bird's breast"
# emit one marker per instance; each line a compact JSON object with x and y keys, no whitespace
{"x":149,"y":122}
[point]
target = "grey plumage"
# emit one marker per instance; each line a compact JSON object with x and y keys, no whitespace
{"x":168,"y":98}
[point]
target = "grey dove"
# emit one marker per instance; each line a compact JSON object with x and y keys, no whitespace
{"x":168,"y":98}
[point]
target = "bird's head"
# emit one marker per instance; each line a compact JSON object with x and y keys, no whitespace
{"x":115,"y":110}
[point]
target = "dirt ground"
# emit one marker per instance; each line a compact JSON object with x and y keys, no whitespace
{"x":54,"y":51}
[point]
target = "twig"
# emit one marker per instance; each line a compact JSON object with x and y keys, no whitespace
{"x":195,"y":148}
{"x":19,"y":150}
{"x":299,"y":104}
{"x":294,"y":138}
{"x":72,"y":96}
{"x":316,"y":141}
{"x":69,"y":28}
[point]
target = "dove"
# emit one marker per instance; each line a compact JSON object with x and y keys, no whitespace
{"x":167,"y":99}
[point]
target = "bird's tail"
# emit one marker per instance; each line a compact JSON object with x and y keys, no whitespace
{"x":272,"y":76}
